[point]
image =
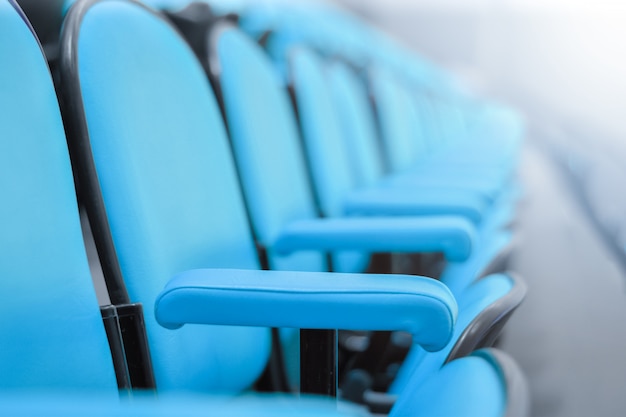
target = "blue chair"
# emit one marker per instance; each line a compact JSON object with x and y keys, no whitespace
{"x":57,"y":360}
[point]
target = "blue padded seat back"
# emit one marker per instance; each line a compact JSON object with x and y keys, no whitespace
{"x":168,"y":183}
{"x":485,"y":394}
{"x":429,"y":122}
{"x":440,"y":110}
{"x":357,"y":122}
{"x":328,"y":158}
{"x":422,"y":125}
{"x":266,"y":145}
{"x":398,"y":119}
{"x":52,"y":332}
{"x":321,"y":132}
{"x":450,"y":119}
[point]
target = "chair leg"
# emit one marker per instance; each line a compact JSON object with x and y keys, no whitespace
{"x":318,"y":362}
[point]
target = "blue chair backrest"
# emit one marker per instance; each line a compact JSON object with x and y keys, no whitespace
{"x":52,"y":331}
{"x":398,"y":120}
{"x":354,"y":112}
{"x":327,"y":151}
{"x":448,"y":119}
{"x":168,"y":182}
{"x":357,"y":122}
{"x":266,"y":145}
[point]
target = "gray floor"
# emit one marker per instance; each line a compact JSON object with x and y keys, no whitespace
{"x":570,"y":334}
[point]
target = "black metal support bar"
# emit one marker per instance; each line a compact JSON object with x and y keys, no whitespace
{"x":318,"y":362}
{"x":135,"y":340}
{"x":114,"y":336}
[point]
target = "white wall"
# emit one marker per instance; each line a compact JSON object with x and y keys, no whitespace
{"x":563,"y":57}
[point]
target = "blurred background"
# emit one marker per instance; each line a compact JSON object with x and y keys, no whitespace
{"x":561,"y":63}
{"x":564,"y":57}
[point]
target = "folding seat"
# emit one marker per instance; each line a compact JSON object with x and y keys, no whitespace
{"x":55,"y":356}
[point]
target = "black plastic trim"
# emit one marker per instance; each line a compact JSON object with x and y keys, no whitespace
{"x":130,"y":315}
{"x":138,"y":359}
{"x":318,"y":362}
{"x":193,"y":22}
{"x":114,"y":336}
{"x":485,"y":328}
{"x":80,"y":152}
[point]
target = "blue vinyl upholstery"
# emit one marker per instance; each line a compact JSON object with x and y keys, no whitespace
{"x":168,"y":184}
{"x":48,"y":300}
{"x":277,"y":192}
{"x":420,"y":306}
{"x":481,"y":396}
{"x":27,"y":405}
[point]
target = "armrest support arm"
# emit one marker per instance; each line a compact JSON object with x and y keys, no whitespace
{"x":315,"y":300}
{"x":413,"y":201}
{"x":451,"y":235}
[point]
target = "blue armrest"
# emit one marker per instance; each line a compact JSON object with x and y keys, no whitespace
{"x":311,"y":300}
{"x":451,"y":235}
{"x":417,"y":201}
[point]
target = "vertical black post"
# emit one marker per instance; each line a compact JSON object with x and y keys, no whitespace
{"x":114,"y":336}
{"x":135,"y":340}
{"x":318,"y":362}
